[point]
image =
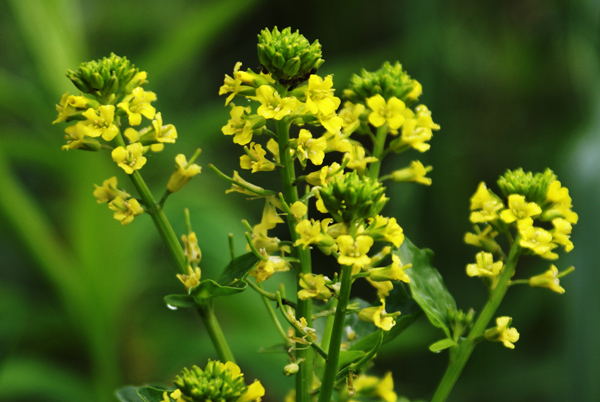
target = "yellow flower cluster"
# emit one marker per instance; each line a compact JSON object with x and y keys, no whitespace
{"x":536,"y":212}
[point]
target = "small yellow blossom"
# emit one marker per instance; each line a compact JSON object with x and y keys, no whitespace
{"x":242,"y":125}
{"x":357,"y":159}
{"x":191,"y":250}
{"x":484,"y":205}
{"x":164,"y":133}
{"x":319,"y":96}
{"x":378,"y":316}
{"x":549,"y":279}
{"x":393,"y":272}
{"x":130,"y":158}
{"x":77,"y":138}
{"x":137,"y":104}
{"x":272,"y":105}
{"x":192,"y":279}
{"x":416,"y":131}
{"x":519,"y":209}
{"x":100,"y":122}
{"x":313,"y":286}
{"x":71,"y":105}
{"x":485,"y":266}
{"x":371,"y":386}
{"x":561,"y":203}
{"x":502,"y":333}
{"x":255,"y":159}
{"x":414,"y":173}
{"x":310,"y":233}
{"x":483,"y":239}
{"x":253,"y":393}
{"x":537,"y":239}
{"x":299,"y":209}
{"x":353,"y":251}
{"x":184,"y":171}
{"x":390,"y":112}
{"x":385,"y":229}
{"x":325,"y":174}
{"x":383,"y":287}
{"x":125,"y":210}
{"x":308,"y":147}
{"x":109,"y":191}
{"x":561,"y":233}
{"x":232,"y":84}
{"x":350,"y":116}
{"x":266,"y":268}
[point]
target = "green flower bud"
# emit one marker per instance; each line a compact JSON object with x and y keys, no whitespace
{"x":533,"y":187}
{"x":289,"y":57}
{"x":351,"y":198}
{"x":389,"y":80}
{"x":217,"y":382}
{"x":291,"y":369}
{"x":106,"y":77}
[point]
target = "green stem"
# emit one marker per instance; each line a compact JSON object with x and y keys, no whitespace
{"x":378,"y":148}
{"x":336,"y":336}
{"x":172,"y":242}
{"x":303,"y":307}
{"x":459,"y":360}
{"x":214,"y":331}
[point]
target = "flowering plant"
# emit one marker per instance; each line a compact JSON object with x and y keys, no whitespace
{"x":330,"y":195}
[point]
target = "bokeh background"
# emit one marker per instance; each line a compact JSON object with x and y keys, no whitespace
{"x":513,"y":84}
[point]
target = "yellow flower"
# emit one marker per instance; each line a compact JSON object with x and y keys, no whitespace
{"x":184,"y":171}
{"x":130,"y":158}
{"x":255,"y":159}
{"x":192,"y":279}
{"x":319,"y":96}
{"x":325,"y":174}
{"x":393,"y":272}
{"x":242,"y":125}
{"x":385,"y":229}
{"x":353,"y":251}
{"x":378,"y":316}
{"x":299,"y":209}
{"x":483,"y":239}
{"x":125,"y":210}
{"x":383,"y":287}
{"x":536,"y":239}
{"x":502,"y":333}
{"x":313,"y":286}
{"x":485,"y":205}
{"x":272,"y":105}
{"x":485,"y":266}
{"x":390,"y":112}
{"x":164,"y":133}
{"x":190,"y":248}
{"x":308,"y":147}
{"x":71,"y":105}
{"x":414,"y":173}
{"x":266,"y":268}
{"x":137,"y":104}
{"x":76,"y":138}
{"x":549,"y":279}
{"x":109,"y":191}
{"x":561,"y":233}
{"x":350,"y":116}
{"x":371,"y":386}
{"x":100,"y":122}
{"x":561,"y":203}
{"x":357,"y":159}
{"x":519,"y":209}
{"x":254,"y":392}
{"x":310,"y":233}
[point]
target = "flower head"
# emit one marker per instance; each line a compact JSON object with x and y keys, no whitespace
{"x":378,"y":316}
{"x":484,"y":205}
{"x":485,"y":266}
{"x":311,"y":148}
{"x":125,"y":209}
{"x":137,"y":104}
{"x":183,"y":173}
{"x":502,"y":333}
{"x":353,"y":251}
{"x":550,"y":279}
{"x":130,"y":158}
{"x":382,"y":112}
{"x":272,"y":106}
{"x":100,"y":122}
{"x":255,"y":159}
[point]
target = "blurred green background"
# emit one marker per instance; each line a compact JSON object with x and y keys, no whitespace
{"x":513,"y":84}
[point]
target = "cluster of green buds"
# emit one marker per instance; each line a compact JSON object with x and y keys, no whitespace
{"x":217,"y":382}
{"x":350,"y":198}
{"x":108,"y":115}
{"x":107,"y":77}
{"x":288,"y":56}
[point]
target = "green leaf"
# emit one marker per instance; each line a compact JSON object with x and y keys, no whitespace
{"x":349,"y":356}
{"x":207,"y":289}
{"x":237,"y":269}
{"x":438,"y":346}
{"x":128,"y":394}
{"x":151,"y":394}
{"x":180,"y":301}
{"x":426,"y":285}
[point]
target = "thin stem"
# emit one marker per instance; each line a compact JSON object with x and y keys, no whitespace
{"x":303,"y":307}
{"x":378,"y":148}
{"x":215,"y":332}
{"x":336,"y":336}
{"x":459,"y":360}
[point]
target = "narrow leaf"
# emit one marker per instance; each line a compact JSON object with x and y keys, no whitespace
{"x":426,"y":285}
{"x":438,"y":346}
